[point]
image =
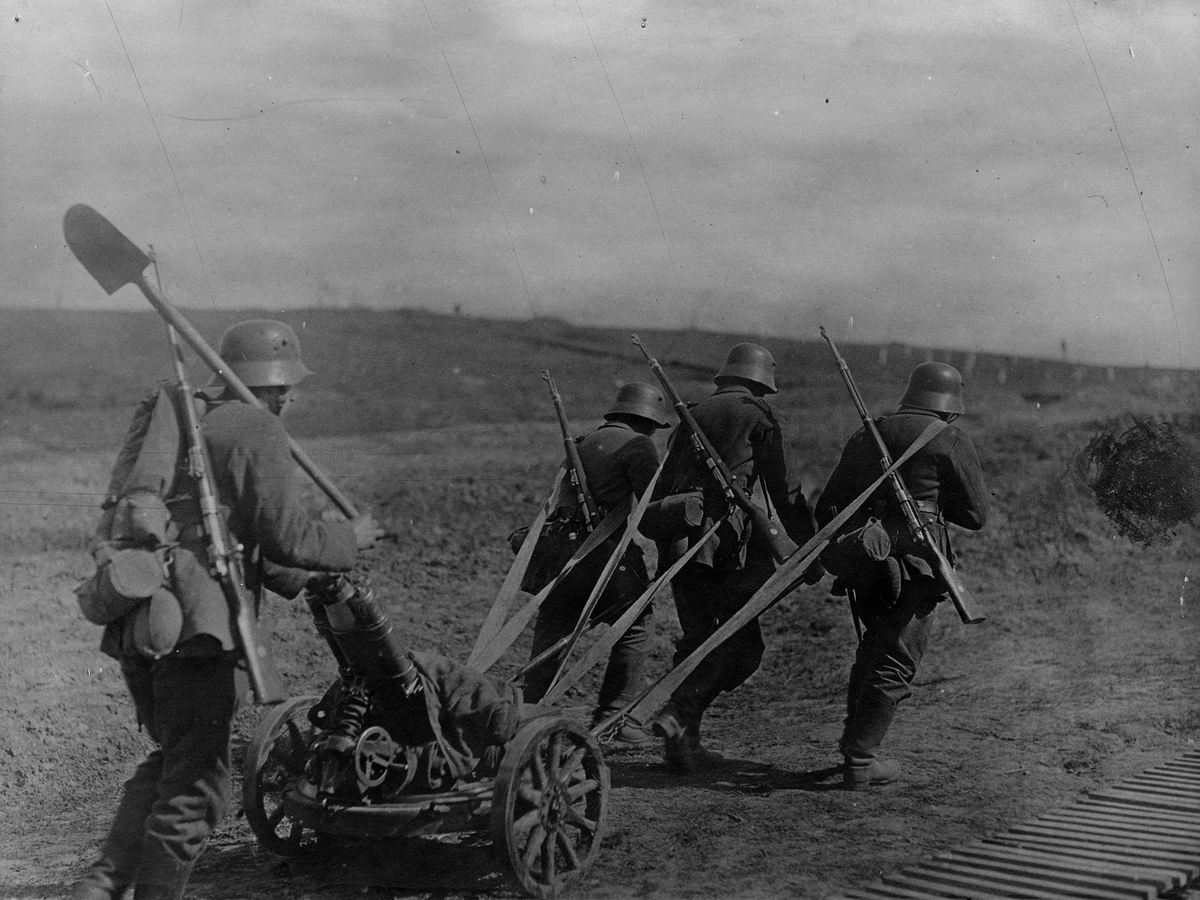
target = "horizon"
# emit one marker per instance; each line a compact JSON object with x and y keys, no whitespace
{"x":1000,"y":178}
{"x":939,"y":352}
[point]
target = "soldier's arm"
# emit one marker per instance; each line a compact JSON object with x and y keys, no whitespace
{"x":770,"y":463}
{"x":846,"y":482}
{"x":286,"y":581}
{"x":667,"y":480}
{"x":962,"y":494}
{"x":268,"y":501}
{"x":639,"y":459}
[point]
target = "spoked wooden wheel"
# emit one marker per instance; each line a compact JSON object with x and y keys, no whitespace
{"x":549,"y":805}
{"x":274,"y":760}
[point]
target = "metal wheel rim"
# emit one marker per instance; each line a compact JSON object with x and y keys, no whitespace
{"x":274,"y":759}
{"x":548,"y":815}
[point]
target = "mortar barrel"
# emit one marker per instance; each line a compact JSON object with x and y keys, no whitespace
{"x":363,"y":632}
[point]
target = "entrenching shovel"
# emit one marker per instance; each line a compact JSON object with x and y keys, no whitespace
{"x":115,"y":261}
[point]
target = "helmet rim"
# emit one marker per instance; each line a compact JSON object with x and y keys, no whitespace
{"x":935,"y":387}
{"x":262,"y":353}
{"x":748,"y":362}
{"x":641,"y":400}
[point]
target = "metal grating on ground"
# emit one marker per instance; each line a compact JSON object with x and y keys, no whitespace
{"x":1136,"y":839}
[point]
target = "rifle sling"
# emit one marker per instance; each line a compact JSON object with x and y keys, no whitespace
{"x":487,"y":656}
{"x":512,"y":582}
{"x":601,"y":647}
{"x":784,"y":580}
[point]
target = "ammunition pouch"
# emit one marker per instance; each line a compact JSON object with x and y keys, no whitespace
{"x":856,"y":555}
{"x":139,"y":518}
{"x":673,"y":515}
{"x":556,"y":544}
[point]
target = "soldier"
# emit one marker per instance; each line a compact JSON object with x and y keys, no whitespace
{"x":187,"y":699}
{"x":619,"y":459}
{"x":897,"y":601}
{"x":745,"y":430}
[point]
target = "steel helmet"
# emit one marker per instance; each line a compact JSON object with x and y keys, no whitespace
{"x":263,"y":353}
{"x":642,"y":400}
{"x":749,"y":362}
{"x":936,"y":387}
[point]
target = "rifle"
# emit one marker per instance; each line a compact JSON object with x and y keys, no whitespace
{"x":963,"y":601}
{"x":591,"y":512}
{"x":224,"y":555}
{"x":781,"y":545}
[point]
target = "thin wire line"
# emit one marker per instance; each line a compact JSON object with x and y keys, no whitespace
{"x":186,"y":213}
{"x":636,"y":155}
{"x":499,"y":204}
{"x":1129,"y":165}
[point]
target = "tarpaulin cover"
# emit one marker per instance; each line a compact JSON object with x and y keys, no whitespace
{"x":469,"y":711}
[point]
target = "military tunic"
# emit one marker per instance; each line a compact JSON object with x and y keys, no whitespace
{"x":187,"y":699}
{"x":746,"y":432}
{"x":946,"y":480}
{"x":618,"y":463}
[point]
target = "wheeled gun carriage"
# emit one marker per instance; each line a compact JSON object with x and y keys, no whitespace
{"x":405,"y":743}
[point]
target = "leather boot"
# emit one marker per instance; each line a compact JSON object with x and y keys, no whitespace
{"x":626,"y":731}
{"x":865,"y":773}
{"x":702,"y":758}
{"x":112,"y":873}
{"x":161,"y":878}
{"x":677,"y":750}
{"x":872,"y":717}
{"x":854,"y":689}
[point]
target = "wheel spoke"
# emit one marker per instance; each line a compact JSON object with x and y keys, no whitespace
{"x":568,"y":850}
{"x":276,"y":817}
{"x":528,"y":795}
{"x":584,"y":787}
{"x":555,"y":755}
{"x":296,"y":831}
{"x":536,"y":837}
{"x":538,"y":771}
{"x":528,"y":820}
{"x":548,"y":857}
{"x":580,"y":821}
{"x":296,"y":735}
{"x":572,"y":764}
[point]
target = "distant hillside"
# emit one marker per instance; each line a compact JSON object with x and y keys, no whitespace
{"x":404,"y":369}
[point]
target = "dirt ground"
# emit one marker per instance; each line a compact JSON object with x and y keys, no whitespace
{"x":1084,"y":673}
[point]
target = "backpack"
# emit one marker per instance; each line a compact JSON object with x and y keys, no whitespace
{"x":133,"y":539}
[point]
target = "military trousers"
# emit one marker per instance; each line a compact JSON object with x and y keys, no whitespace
{"x":560,"y":613}
{"x":894,"y":641}
{"x":182,"y":789}
{"x":705,"y":599}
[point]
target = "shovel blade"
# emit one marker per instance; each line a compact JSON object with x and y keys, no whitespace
{"x":110,"y":257}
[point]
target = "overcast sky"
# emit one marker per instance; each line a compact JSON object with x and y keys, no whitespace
{"x":1002,"y":175}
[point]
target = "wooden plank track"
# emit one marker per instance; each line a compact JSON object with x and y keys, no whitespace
{"x":1133,"y":841}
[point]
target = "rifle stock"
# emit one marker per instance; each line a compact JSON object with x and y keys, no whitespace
{"x":770,"y":529}
{"x":964,"y":603}
{"x":591,"y":512}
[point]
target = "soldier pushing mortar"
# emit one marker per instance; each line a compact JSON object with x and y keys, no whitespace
{"x":186,"y":684}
